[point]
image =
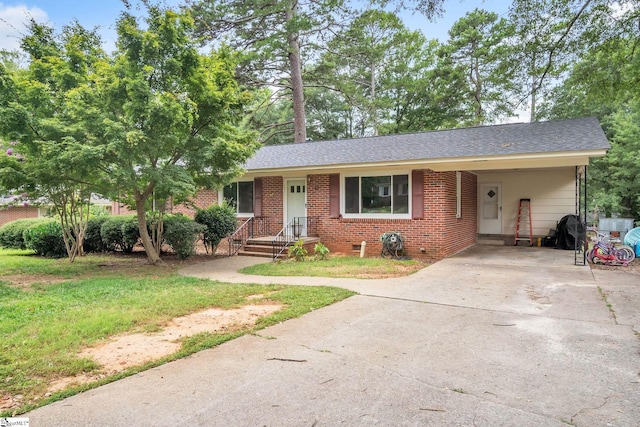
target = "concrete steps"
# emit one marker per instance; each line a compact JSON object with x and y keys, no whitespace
{"x":263,"y":247}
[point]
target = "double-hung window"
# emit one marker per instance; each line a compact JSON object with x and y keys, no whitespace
{"x":376,"y":195}
{"x":240,"y":195}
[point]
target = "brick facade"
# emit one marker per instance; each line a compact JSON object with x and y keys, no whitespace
{"x":440,"y":233}
{"x":17,"y":212}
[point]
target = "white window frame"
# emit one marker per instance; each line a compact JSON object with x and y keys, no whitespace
{"x":239,"y":214}
{"x":391,"y":173}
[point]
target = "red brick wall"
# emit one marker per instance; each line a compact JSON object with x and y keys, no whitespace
{"x":203,"y":199}
{"x":440,"y":233}
{"x":17,"y":212}
{"x":273,"y":202}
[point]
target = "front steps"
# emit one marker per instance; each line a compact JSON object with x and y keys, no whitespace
{"x":263,"y":247}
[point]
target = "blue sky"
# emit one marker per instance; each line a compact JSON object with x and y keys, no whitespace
{"x":103,"y":14}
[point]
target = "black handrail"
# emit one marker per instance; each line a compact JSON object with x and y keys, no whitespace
{"x":252,"y":227}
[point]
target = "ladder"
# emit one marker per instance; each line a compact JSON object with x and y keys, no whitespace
{"x":524,"y":208}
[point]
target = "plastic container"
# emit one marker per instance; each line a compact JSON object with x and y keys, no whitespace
{"x":632,"y":237}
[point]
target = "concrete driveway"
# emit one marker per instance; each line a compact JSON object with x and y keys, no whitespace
{"x":495,"y":336}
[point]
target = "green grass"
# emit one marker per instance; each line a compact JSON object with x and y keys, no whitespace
{"x":348,"y":267}
{"x":26,"y":263}
{"x":44,"y":326}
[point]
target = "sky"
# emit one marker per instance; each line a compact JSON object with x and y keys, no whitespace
{"x":103,"y":14}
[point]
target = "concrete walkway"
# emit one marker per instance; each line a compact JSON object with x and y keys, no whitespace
{"x":495,"y":336}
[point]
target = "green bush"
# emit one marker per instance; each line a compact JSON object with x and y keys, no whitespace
{"x":219,"y":222}
{"x":93,"y":239}
{"x":46,"y":239}
{"x":320,"y":250}
{"x":182,"y":234}
{"x":120,"y":233}
{"x":12,"y":233}
{"x":298,"y":251}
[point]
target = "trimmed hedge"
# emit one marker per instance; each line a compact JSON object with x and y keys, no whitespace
{"x":12,"y":233}
{"x":46,"y":239}
{"x":182,"y":234}
{"x":120,"y":233}
{"x":219,"y":220}
{"x":92,"y":237}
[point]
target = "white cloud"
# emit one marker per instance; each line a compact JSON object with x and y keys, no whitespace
{"x":12,"y":23}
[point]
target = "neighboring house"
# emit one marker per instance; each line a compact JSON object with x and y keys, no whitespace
{"x":38,"y":210}
{"x":8,"y":214}
{"x":441,"y":190}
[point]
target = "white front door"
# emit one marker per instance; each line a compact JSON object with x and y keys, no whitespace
{"x":490,"y":209}
{"x":296,"y":190}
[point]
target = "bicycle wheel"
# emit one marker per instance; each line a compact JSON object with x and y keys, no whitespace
{"x":590,"y":255}
{"x":625,"y":253}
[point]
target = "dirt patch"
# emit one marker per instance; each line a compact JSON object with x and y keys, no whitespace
{"x":26,"y":282}
{"x":125,"y":351}
{"x":632,"y":268}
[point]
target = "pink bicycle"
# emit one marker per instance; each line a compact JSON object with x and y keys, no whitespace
{"x":606,"y":252}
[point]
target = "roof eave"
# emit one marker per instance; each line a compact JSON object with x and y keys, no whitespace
{"x":518,"y":161}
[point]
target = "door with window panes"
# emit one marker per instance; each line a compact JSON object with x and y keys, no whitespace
{"x":296,"y":190}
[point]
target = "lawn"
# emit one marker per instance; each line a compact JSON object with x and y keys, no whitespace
{"x":338,"y":266}
{"x":52,"y":310}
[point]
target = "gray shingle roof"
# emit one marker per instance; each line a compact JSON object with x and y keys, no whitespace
{"x":573,"y":135}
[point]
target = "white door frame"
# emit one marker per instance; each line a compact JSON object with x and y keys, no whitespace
{"x":303,"y":231}
{"x":490,"y":221}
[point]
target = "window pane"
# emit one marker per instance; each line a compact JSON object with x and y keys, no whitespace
{"x":351,"y":195}
{"x":230,"y":194}
{"x":245,"y":197}
{"x":376,"y":194}
{"x":401,"y":194}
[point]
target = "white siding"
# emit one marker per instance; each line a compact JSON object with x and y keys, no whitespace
{"x":552,"y":193}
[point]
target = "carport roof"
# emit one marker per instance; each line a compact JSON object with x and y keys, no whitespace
{"x":561,"y":138}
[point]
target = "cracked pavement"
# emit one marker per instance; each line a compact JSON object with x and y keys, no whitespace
{"x":495,"y":336}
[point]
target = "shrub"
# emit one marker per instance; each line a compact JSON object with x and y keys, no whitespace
{"x":120,"y":233}
{"x":182,"y":234}
{"x":320,"y":250}
{"x":46,"y":239}
{"x":219,"y":222}
{"x":12,"y":233}
{"x":298,"y":251}
{"x":92,"y":238}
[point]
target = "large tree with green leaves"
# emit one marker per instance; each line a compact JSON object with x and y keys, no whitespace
{"x":478,"y":57}
{"x":49,"y":158}
{"x":167,"y":118}
{"x":605,"y":81}
{"x":381,"y":72}
{"x":278,"y":37}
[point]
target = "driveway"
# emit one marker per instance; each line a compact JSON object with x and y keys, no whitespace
{"x":495,"y":336}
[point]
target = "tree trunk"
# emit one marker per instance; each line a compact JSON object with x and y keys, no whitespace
{"x":374,"y":110}
{"x":299,"y":118}
{"x":149,"y":248}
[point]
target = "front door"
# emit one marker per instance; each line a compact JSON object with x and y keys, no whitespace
{"x":490,"y":209}
{"x":296,"y":207}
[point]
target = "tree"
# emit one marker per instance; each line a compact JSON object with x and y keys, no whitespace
{"x":477,"y":54}
{"x":549,"y":36}
{"x":166,"y":117}
{"x":605,"y":83}
{"x":277,"y":37}
{"x":380,"y":70}
{"x":48,"y":157}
